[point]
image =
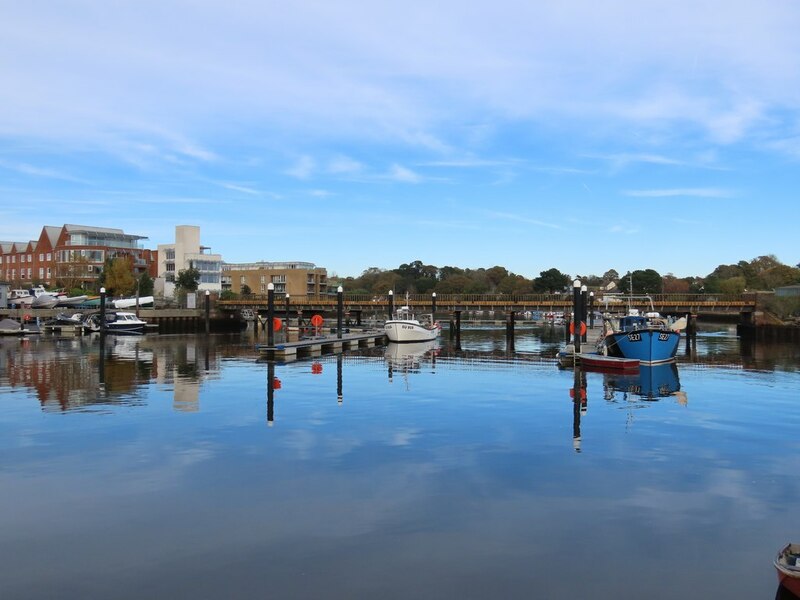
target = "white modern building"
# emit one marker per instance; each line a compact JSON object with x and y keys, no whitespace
{"x":184,"y":254}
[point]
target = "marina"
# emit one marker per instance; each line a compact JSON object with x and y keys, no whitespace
{"x":431,"y":457}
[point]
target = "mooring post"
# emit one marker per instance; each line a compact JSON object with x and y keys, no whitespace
{"x":102,"y":310}
{"x":591,"y":310}
{"x":287,"y":318}
{"x":567,"y":334}
{"x":510,"y":332}
{"x":577,"y":311}
{"x":270,"y":314}
{"x":208,"y":312}
{"x":339,"y":309}
{"x":458,"y":329}
{"x":584,"y":310}
{"x":391,"y":303}
{"x":433,"y":305}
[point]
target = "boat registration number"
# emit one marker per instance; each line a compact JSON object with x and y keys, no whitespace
{"x":634,"y":337}
{"x":663,"y":337}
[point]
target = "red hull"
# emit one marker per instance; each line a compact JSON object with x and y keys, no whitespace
{"x":790,"y":583}
{"x":608,"y":363}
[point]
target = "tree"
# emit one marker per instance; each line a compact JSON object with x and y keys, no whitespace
{"x":246,"y":291}
{"x":551,"y":281}
{"x":117,"y":276}
{"x":188,"y":280}
{"x":146,"y":284}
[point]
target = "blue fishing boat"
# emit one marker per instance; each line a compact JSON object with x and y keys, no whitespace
{"x":649,"y":338}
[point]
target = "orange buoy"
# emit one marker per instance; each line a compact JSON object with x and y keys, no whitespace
{"x":317,"y":320}
{"x":277,"y":323}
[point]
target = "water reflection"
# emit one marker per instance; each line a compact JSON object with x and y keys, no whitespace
{"x":409,"y":358}
{"x":73,"y":373}
{"x":649,"y":383}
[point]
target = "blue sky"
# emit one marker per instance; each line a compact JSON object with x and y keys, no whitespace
{"x":578,"y":135}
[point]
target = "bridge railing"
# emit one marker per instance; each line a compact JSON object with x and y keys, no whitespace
{"x":490,"y":299}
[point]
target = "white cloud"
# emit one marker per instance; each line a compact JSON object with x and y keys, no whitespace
{"x":403,"y":174}
{"x":344,"y":165}
{"x":302,"y":168}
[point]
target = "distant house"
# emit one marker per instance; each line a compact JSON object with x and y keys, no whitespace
{"x":293,"y":278}
{"x":184,"y":254}
{"x":788,"y":290}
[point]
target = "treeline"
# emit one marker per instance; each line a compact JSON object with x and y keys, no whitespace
{"x":762,"y":273}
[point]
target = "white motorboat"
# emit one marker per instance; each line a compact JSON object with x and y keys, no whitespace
{"x":405,"y":327}
{"x":116,"y":322}
{"x":46,"y":300}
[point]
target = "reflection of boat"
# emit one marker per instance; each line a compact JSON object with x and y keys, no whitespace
{"x":408,"y":356}
{"x":116,"y":322}
{"x":648,"y":338}
{"x":405,"y":327}
{"x":787,"y":564}
{"x":651,"y":382}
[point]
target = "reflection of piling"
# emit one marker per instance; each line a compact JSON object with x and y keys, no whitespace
{"x":458,"y":329}
{"x":577,"y":397}
{"x":339,"y":361}
{"x":101,"y":367}
{"x":270,"y":393}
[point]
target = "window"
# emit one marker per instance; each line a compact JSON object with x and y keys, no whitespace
{"x":48,"y":272}
{"x":41,"y":257}
{"x":263,"y":279}
{"x":41,"y":272}
{"x":30,"y":258}
{"x":279,"y":279}
{"x":49,"y":257}
{"x":242,"y":280}
{"x":29,"y":272}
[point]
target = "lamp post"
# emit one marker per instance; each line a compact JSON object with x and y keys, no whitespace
{"x":339,"y":309}
{"x":270,"y":314}
{"x":591,"y":310}
{"x":102,"y":310}
{"x":208,"y":311}
{"x":391,"y":303}
{"x":584,"y":308}
{"x":576,"y":315}
{"x":433,"y":305}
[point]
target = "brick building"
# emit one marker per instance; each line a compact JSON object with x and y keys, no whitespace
{"x":293,"y":278}
{"x":71,"y":256}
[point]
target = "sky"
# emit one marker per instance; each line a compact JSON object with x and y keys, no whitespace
{"x":578,"y":135}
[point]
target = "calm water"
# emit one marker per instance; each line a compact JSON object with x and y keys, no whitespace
{"x":181,"y":467}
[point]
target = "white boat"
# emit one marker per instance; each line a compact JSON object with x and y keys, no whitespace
{"x":72,"y":300}
{"x":131,"y":302}
{"x":46,"y":300}
{"x":116,"y":322}
{"x":405,"y":327}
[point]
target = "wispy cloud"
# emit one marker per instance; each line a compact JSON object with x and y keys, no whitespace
{"x":521,"y":219}
{"x":302,"y":168}
{"x":344,"y":165}
{"x":403,"y":174}
{"x":33,"y":171}
{"x":239,"y":188}
{"x":687,"y":192}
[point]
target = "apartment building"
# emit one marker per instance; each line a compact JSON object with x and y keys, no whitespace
{"x":72,"y":256}
{"x":187,"y":253}
{"x":293,"y":278}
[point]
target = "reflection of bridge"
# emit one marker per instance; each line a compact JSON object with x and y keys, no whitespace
{"x":699,"y":304}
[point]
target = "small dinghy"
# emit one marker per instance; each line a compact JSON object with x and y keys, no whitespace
{"x":787,"y":565}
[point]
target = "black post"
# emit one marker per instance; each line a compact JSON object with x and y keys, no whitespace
{"x":339,"y":309}
{"x":102,"y":310}
{"x":270,"y":393}
{"x":270,"y":315}
{"x":567,"y":334}
{"x":458,"y":329}
{"x":584,"y":309}
{"x":577,"y":311}
{"x":591,"y":310}
{"x":286,"y":331}
{"x":208,"y":312}
{"x":510,"y":332}
{"x":576,"y":411}
{"x":391,"y":304}
{"x":433,"y":305}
